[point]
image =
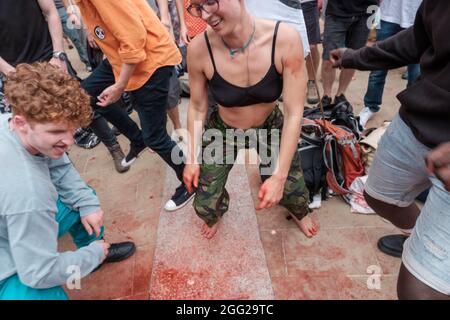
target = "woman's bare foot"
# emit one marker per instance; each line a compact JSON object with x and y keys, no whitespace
{"x":208,"y":232}
{"x":307,"y":225}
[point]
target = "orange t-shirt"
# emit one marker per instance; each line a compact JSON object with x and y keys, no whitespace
{"x":129,"y":31}
{"x":194,"y":25}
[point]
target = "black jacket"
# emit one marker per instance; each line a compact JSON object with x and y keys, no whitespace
{"x":426,"y":104}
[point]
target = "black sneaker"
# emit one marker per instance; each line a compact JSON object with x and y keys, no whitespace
{"x":134,"y":152}
{"x":326,"y":101}
{"x":339,"y":99}
{"x":392,"y":245}
{"x":179,"y":199}
{"x":118,"y":252}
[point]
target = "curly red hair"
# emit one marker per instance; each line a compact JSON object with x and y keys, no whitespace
{"x":42,"y":93}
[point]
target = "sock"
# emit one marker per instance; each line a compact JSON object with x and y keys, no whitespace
{"x":317,"y":202}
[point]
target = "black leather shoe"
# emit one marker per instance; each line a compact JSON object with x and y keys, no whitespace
{"x":118,"y":252}
{"x":392,"y":245}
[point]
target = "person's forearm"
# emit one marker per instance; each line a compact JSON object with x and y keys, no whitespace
{"x":163,"y":7}
{"x":5,"y":67}
{"x":288,"y":145}
{"x":55,"y":28}
{"x":195,"y":121}
{"x":125,"y":74}
{"x":180,"y":9}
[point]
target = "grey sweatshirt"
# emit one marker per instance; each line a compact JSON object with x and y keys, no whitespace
{"x":29,"y":189}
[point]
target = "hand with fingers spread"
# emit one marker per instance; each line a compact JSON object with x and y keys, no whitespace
{"x":336,"y":57}
{"x":438,"y":163}
{"x":270,"y":192}
{"x":191,"y":175}
{"x":93,"y":222}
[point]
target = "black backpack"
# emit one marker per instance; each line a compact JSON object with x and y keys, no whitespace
{"x":338,"y":114}
{"x":310,"y":149}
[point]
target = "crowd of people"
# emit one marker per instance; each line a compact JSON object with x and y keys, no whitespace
{"x":243,"y":58}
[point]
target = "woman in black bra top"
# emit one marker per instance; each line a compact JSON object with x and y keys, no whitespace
{"x":247,"y":64}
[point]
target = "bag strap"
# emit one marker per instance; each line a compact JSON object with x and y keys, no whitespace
{"x":331,"y":162}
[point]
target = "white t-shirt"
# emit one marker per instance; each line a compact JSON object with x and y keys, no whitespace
{"x":401,"y":12}
{"x":277,"y":10}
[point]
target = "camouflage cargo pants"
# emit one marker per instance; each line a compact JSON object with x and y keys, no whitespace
{"x":212,"y":199}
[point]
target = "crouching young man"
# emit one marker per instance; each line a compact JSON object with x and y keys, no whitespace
{"x":41,"y":194}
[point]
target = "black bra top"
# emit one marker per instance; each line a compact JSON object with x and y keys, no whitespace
{"x":228,"y":95}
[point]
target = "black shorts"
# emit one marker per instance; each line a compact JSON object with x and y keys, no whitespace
{"x":339,"y":32}
{"x":311,"y":15}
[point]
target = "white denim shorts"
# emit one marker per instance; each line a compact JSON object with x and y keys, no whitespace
{"x":397,"y":176}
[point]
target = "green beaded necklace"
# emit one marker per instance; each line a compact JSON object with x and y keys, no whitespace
{"x":232,"y":51}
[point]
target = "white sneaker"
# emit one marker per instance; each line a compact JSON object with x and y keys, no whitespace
{"x":365,"y":116}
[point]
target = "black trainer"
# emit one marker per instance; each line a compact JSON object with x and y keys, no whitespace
{"x":326,"y":101}
{"x":179,"y":199}
{"x":118,"y":252}
{"x":339,"y":99}
{"x":134,"y":152}
{"x":392,"y":245}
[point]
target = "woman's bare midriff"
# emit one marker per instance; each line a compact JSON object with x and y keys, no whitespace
{"x":246,"y":117}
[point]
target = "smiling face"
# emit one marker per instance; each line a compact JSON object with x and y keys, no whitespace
{"x":51,"y":139}
{"x":47,"y":106}
{"x":221,"y":15}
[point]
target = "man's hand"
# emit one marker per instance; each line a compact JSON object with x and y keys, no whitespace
{"x":110,"y":95}
{"x":93,"y":222}
{"x":105,"y":247}
{"x":59,"y":63}
{"x":191,"y":175}
{"x":336,"y":57}
{"x":74,"y":22}
{"x":91,"y":41}
{"x":271,"y":192}
{"x":438,"y":163}
{"x":184,"y":35}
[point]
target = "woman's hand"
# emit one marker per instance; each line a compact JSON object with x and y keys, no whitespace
{"x":271,"y":192}
{"x":191,"y":175}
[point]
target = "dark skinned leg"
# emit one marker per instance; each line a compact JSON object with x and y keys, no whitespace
{"x":401,"y":217}
{"x":410,"y":288}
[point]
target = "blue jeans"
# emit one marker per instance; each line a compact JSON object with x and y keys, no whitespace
{"x":377,"y":79}
{"x":69,"y":221}
{"x":74,"y":36}
{"x":152,"y":102}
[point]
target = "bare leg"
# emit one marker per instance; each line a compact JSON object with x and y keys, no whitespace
{"x":344,"y":80}
{"x":328,"y":77}
{"x":410,"y":288}
{"x":307,"y":225}
{"x":312,"y":63}
{"x":404,"y":218}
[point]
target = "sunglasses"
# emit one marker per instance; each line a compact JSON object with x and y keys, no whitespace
{"x":208,"y":6}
